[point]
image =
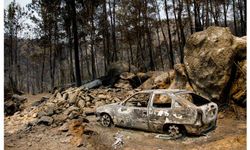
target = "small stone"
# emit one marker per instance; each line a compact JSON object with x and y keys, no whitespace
{"x":49,"y":111}
{"x":60,"y":119}
{"x":88,"y":104}
{"x":102,"y":96}
{"x":221,"y":116}
{"x":29,"y":144}
{"x":46,"y":120}
{"x":74,"y":115}
{"x":73,"y":97}
{"x":70,"y":109}
{"x":81,"y":104}
{"x":64,"y":127}
{"x":41,"y":113}
{"x":59,"y":96}
{"x":54,"y":125}
{"x":66,"y":140}
{"x":89,"y":146}
{"x":79,"y":142}
{"x":34,"y":115}
{"x":67,"y":105}
{"x":87,"y":98}
{"x":65,"y":96}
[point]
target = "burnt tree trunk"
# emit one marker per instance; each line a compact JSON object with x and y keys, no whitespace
{"x":42,"y":73}
{"x":77,"y":66}
{"x":234,"y":14}
{"x":171,"y":54}
{"x":92,"y":44}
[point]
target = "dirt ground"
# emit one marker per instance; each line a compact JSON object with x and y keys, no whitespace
{"x":229,"y":134}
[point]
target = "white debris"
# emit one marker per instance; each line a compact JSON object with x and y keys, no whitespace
{"x":118,"y":140}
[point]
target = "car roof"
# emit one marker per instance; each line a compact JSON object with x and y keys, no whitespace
{"x":160,"y":91}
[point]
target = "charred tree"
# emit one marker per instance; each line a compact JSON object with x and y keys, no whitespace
{"x":171,"y":54}
{"x":77,"y":64}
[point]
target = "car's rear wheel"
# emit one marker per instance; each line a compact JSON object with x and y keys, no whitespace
{"x":175,"y":131}
{"x":106,"y":120}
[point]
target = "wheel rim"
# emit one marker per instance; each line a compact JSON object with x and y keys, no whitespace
{"x":106,"y":120}
{"x":174,"y":130}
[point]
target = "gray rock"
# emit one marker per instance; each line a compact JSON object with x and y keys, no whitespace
{"x":41,"y":113}
{"x":81,"y":104}
{"x":65,"y":96}
{"x":59,"y":96}
{"x":74,"y":115}
{"x":88,"y":104}
{"x":87,"y":98}
{"x":46,"y":120}
{"x":102,"y":96}
{"x":49,"y":111}
{"x":60,"y":119}
{"x":73,"y":97}
{"x":19,"y":97}
{"x":64,"y":127}
{"x":43,"y":99}
{"x":70,"y":109}
{"x":50,"y":108}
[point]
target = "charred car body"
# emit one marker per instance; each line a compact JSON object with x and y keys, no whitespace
{"x":173,"y":112}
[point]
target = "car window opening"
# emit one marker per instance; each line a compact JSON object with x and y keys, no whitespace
{"x":138,"y":100}
{"x":195,"y":99}
{"x":162,"y":101}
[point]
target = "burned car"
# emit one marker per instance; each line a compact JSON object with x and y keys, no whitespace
{"x":174,"y":112}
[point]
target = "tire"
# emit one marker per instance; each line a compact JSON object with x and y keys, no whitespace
{"x":106,"y":120}
{"x":175,"y":131}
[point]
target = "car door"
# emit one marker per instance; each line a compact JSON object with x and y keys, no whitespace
{"x":134,"y":113}
{"x":159,"y":111}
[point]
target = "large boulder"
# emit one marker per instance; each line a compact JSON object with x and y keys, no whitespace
{"x":13,"y":104}
{"x":209,"y":57}
{"x":150,"y":82}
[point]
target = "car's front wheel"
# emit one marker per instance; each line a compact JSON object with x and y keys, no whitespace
{"x":106,"y":120}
